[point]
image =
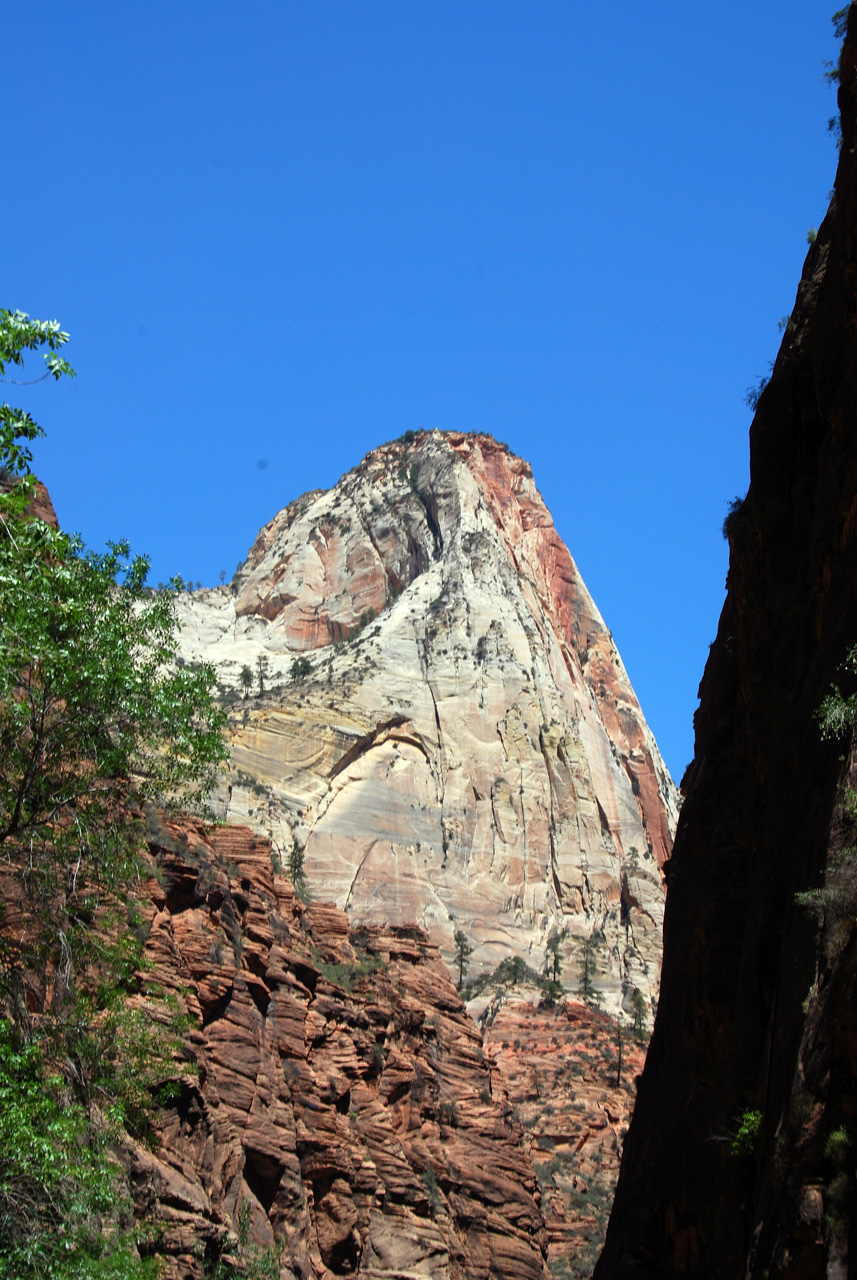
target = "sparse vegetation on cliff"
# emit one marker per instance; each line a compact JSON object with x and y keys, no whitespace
{"x":463,"y":952}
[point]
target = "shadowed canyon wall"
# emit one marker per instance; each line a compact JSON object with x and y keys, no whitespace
{"x":740,"y":1160}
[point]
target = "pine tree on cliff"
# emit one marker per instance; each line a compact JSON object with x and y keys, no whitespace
{"x":463,"y":952}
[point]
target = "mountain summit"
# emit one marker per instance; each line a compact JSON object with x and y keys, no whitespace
{"x":434,"y":710}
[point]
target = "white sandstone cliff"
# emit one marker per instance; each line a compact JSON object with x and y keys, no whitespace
{"x":473,"y":756}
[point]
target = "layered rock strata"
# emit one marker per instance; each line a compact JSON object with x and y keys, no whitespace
{"x":740,"y":1160}
{"x":439,"y":716}
{"x":339,"y":1116}
{"x":571,"y":1072}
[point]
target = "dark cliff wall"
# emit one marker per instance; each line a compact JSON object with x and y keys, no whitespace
{"x":757,"y":1007}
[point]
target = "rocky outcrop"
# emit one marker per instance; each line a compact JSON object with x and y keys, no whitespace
{"x":439,"y":716}
{"x":571,"y":1073}
{"x":337,"y":1114}
{"x":40,"y":507}
{"x":740,"y":1160}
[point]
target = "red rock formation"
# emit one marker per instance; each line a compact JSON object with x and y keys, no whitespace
{"x":573,"y":1097}
{"x":340,"y":1113}
{"x":41,"y":507}
{"x":740,"y":1158}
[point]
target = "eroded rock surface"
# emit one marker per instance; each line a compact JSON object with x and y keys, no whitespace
{"x":571,"y":1072}
{"x":340,"y":1116}
{"x":466,"y":750}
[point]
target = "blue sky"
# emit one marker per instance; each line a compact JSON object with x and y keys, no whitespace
{"x":282,"y":233}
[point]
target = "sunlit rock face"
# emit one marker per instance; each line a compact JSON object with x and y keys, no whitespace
{"x":340,"y":1114}
{"x":466,"y":750}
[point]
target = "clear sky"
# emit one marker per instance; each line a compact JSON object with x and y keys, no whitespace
{"x":282,"y":233}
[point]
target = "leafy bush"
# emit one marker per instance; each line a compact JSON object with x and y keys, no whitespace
{"x":749,"y":1130}
{"x":345,"y":975}
{"x":57,"y":1187}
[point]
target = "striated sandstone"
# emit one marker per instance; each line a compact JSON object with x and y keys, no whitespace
{"x":467,"y":750}
{"x":572,"y":1074}
{"x":339,"y":1112}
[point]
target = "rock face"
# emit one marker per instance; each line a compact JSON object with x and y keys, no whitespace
{"x":340,"y":1117}
{"x":740,"y":1160}
{"x":571,"y":1072}
{"x":463,"y":748}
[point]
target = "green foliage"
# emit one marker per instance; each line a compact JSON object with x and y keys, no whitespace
{"x":346,"y":974}
{"x":367,"y":616}
{"x":463,"y":952}
{"x":553,"y":954}
{"x":837,"y":714}
{"x":840,"y":22}
{"x":90,"y":696}
{"x":749,"y":1132}
{"x":300,"y":669}
{"x":511,"y":972}
{"x":836,"y":901}
{"x":432,"y":1190}
{"x":97,"y":715}
{"x":93,"y":706}
{"x":245,"y":1212}
{"x":733,"y":507}
{"x":19,"y":334}
{"x":588,"y":967}
{"x":57,"y":1187}
{"x":837,"y":1144}
{"x":753,"y":394}
{"x":297,"y":875}
{"x":246,"y":679}
{"x":638,"y":1003}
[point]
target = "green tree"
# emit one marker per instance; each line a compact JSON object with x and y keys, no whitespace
{"x":18,"y":335}
{"x":246,"y":680}
{"x":553,"y":954}
{"x":94,"y":708}
{"x":56,"y":1185}
{"x":514,"y":969}
{"x":297,"y":874}
{"x":463,"y":952}
{"x":261,"y":671}
{"x":587,"y":970}
{"x":300,"y":669}
{"x":96,"y":718}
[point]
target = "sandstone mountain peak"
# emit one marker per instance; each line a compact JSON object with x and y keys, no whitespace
{"x":434,"y":710}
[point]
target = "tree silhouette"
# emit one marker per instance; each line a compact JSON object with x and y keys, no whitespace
{"x":463,"y":951}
